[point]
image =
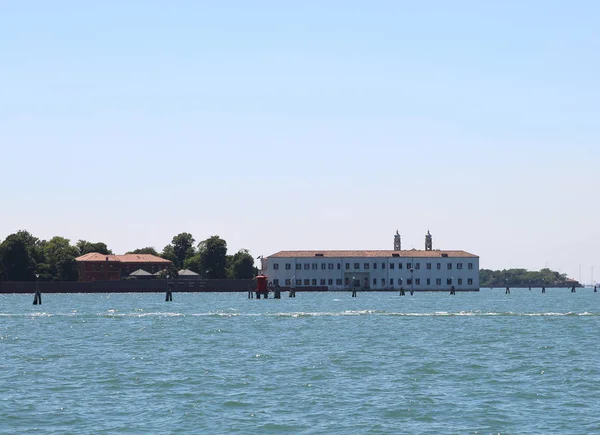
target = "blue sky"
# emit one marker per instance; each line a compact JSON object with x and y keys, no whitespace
{"x":306,"y":125}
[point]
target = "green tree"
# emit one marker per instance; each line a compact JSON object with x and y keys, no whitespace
{"x":213,"y":254}
{"x":194,"y":263}
{"x":60,"y":256}
{"x":168,"y":253}
{"x":19,"y":255}
{"x":148,"y":250}
{"x":85,"y":247}
{"x":183,"y":247}
{"x":241,"y":265}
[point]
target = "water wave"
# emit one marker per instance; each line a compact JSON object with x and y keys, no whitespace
{"x":297,"y":314}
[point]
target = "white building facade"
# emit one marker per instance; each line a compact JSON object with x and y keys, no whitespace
{"x":374,"y":270}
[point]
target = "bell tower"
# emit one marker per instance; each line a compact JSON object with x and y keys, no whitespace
{"x":428,"y":242}
{"x":397,"y":242}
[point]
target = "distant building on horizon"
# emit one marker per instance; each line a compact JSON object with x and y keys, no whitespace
{"x":99,"y":267}
{"x":428,"y":269}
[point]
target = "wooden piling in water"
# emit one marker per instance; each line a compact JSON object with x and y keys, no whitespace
{"x":37,"y":298}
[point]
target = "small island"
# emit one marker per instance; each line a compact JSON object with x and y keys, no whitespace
{"x":525,"y":278}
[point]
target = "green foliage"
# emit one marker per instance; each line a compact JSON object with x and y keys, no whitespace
{"x":523,"y":278}
{"x":60,"y":256}
{"x":148,"y":250}
{"x":240,"y":265}
{"x":194,"y":263}
{"x":19,"y":254}
{"x":213,"y":255}
{"x":163,"y":274}
{"x":183,"y":247}
{"x":85,"y":247}
{"x":168,"y":253}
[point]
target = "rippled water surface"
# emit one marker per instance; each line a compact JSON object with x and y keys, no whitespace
{"x":474,"y":363}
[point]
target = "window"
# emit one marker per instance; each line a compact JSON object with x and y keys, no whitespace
{"x":449,"y":281}
{"x":323,"y":266}
{"x":382,"y":281}
{"x":347,"y":265}
{"x":374,"y":281}
{"x":314,"y":281}
{"x":338,"y":281}
{"x":459,"y":281}
{"x":391,"y":281}
{"x":339,"y":266}
{"x":288,"y":282}
{"x":470,"y":266}
{"x":330,"y":281}
{"x":399,"y":281}
{"x":438,"y":281}
{"x":307,"y":282}
{"x":356,"y":266}
{"x":428,"y":266}
{"x":409,"y":281}
{"x":275,"y":282}
{"x":366,"y":266}
{"x":449,"y":266}
{"x":346,"y":281}
{"x":275,"y":266}
{"x":298,"y":266}
{"x":288,"y":266}
{"x":383,"y":265}
{"x":470,"y":281}
{"x":391,"y":265}
{"x":459,"y":265}
{"x":417,"y":266}
{"x":298,"y":282}
{"x":374,"y":265}
{"x":439,"y":266}
{"x":330,"y":266}
{"x":323,"y":281}
{"x":428,"y":281}
{"x":418,"y":281}
{"x":409,"y":265}
{"x":306,"y":266}
{"x":315,"y":266}
{"x":399,"y":265}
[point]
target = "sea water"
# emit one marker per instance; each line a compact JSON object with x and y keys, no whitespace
{"x":320,"y":363}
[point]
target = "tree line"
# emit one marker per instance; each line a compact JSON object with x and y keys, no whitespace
{"x":524,"y":278}
{"x":23,"y":255}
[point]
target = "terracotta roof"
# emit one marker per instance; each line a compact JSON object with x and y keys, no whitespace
{"x":141,"y":258}
{"x":378,"y":254}
{"x":95,"y":256}
{"x":127,"y":258}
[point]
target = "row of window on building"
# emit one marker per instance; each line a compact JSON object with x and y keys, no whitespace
{"x":368,"y":266}
{"x":382,"y":281}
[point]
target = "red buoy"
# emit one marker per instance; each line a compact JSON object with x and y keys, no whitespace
{"x":261,"y":284}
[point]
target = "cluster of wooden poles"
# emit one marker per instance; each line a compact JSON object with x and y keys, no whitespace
{"x":37,"y":298}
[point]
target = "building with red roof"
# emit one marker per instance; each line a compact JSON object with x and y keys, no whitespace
{"x":100,"y":267}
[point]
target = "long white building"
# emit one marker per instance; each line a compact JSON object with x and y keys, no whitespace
{"x":413,"y":269}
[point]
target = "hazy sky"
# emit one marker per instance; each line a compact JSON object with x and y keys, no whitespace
{"x":313,"y":124}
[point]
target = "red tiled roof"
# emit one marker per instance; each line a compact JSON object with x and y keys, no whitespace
{"x":141,"y":258}
{"x":378,"y":254}
{"x":95,"y":256}
{"x":127,"y":258}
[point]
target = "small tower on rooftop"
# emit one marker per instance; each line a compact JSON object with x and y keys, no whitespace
{"x":397,"y":242}
{"x":428,"y":242}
